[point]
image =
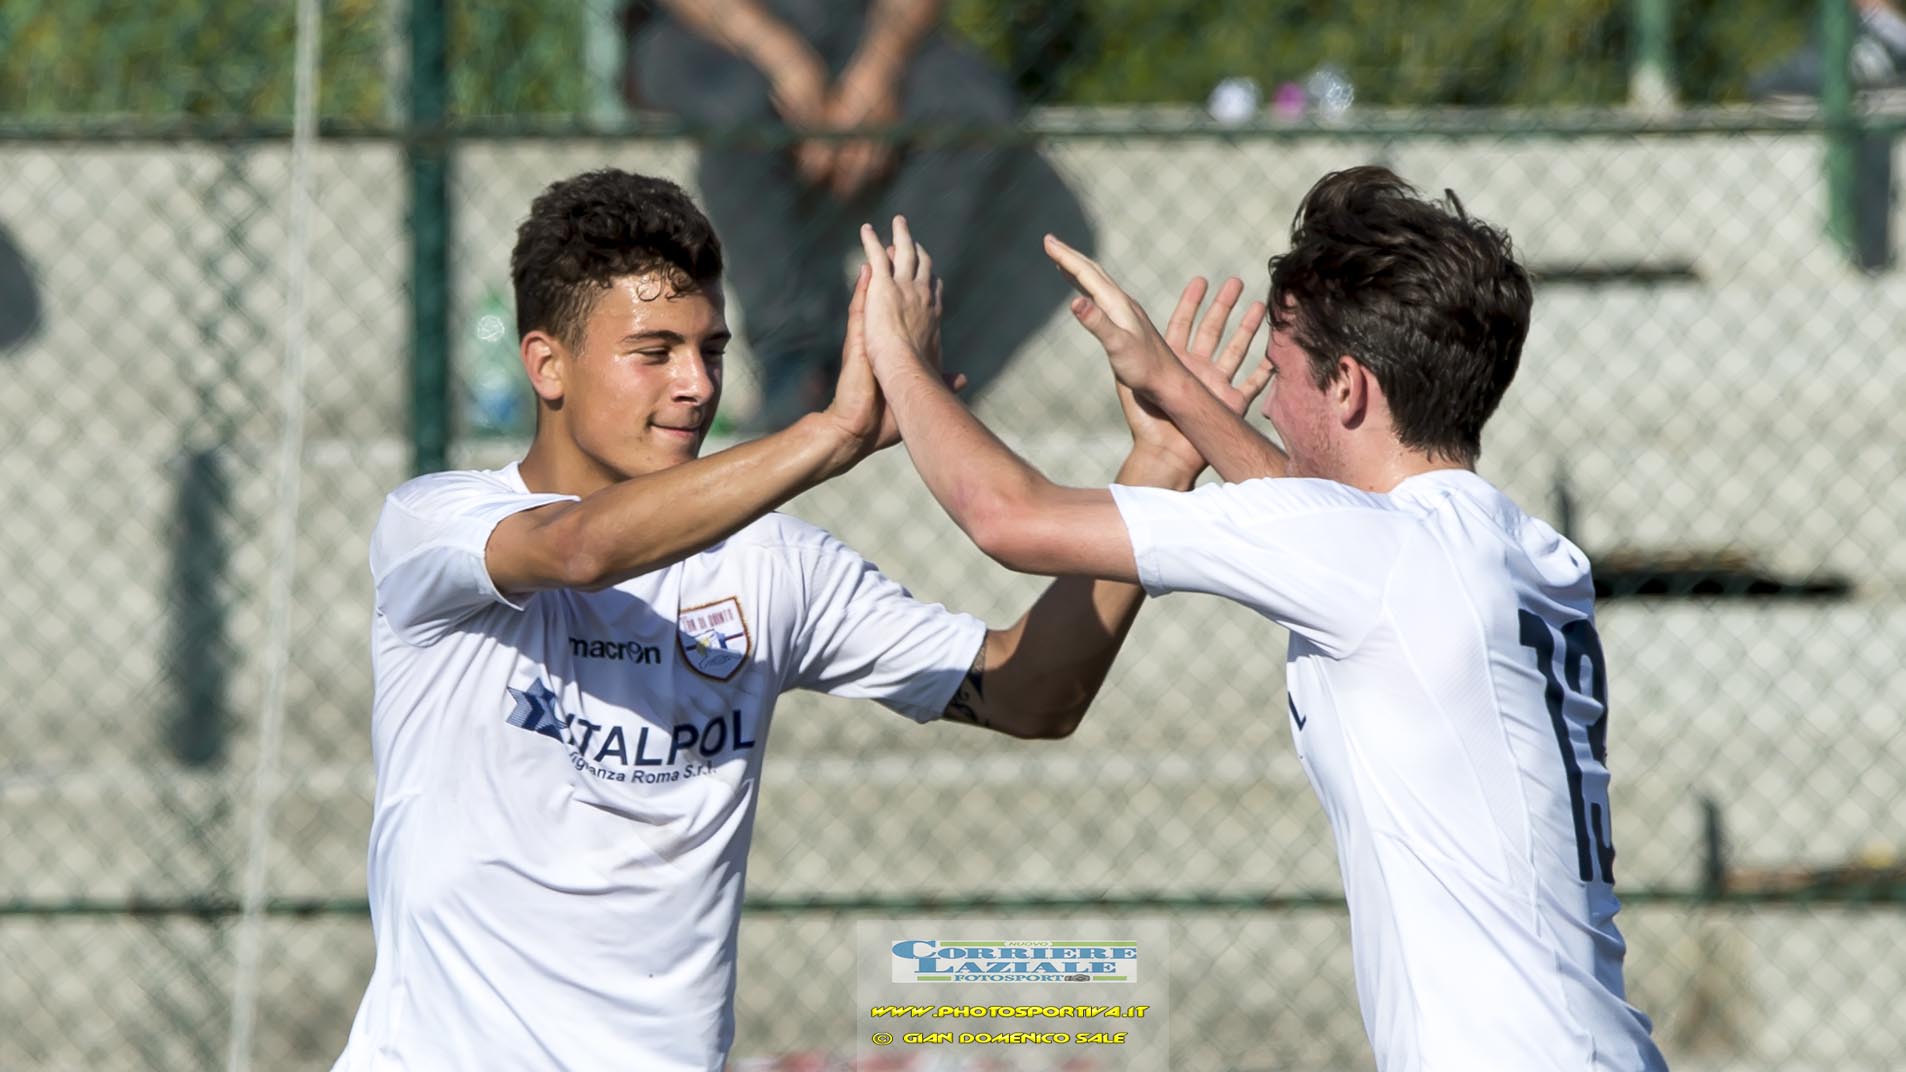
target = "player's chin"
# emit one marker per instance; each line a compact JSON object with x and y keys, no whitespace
{"x":678,"y":442}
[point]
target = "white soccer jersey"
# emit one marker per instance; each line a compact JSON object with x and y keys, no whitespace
{"x":566,"y":786}
{"x":1447,"y":696}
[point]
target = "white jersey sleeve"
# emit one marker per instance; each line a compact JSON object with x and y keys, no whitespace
{"x":1311,"y":555}
{"x":427,"y":550}
{"x":865,"y":637}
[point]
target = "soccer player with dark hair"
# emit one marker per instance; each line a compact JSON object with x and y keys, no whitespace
{"x":577,"y":657}
{"x":1447,"y":692}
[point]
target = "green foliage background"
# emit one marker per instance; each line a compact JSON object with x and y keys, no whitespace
{"x":1397,"y":52}
{"x":232,"y":58}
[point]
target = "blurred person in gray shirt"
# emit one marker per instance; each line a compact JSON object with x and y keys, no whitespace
{"x":788,"y":208}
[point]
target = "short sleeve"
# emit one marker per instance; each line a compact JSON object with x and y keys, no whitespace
{"x":427,"y":551}
{"x":1311,"y":555}
{"x":864,"y":636}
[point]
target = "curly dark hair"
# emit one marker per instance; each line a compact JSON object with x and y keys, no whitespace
{"x":585,"y":232}
{"x":1426,"y":297}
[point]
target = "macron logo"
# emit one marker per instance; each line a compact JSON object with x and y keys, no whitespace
{"x":616,"y":650}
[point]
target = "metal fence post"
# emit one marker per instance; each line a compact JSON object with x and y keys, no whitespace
{"x":1836,"y":110}
{"x":427,"y":158}
{"x":1651,"y":70}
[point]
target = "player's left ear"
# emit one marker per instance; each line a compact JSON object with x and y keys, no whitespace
{"x":1350,"y":390}
{"x":540,"y":360}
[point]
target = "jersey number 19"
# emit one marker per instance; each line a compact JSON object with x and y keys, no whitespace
{"x":1580,"y":644}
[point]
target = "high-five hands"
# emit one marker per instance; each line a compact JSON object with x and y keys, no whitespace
{"x":1151,"y":428}
{"x":896,"y":317}
{"x":902,"y":317}
{"x":1181,"y":374}
{"x":858,"y":406}
{"x":1141,"y":358}
{"x":895,"y":325}
{"x":1218,"y":369}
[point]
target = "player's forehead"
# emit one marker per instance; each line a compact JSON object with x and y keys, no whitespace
{"x":649,"y":304}
{"x":1284,"y":324}
{"x":1283,"y":349}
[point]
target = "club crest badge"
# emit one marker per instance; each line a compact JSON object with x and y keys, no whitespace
{"x":714,"y":638}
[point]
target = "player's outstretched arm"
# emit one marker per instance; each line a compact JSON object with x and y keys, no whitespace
{"x":652,"y":521}
{"x":1009,"y":509}
{"x":1198,"y":397}
{"x":1037,"y":678}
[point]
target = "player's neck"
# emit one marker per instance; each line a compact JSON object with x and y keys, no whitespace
{"x":556,"y":466}
{"x":1382,"y":470}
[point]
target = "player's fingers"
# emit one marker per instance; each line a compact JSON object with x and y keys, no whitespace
{"x":856,"y":379}
{"x":1211,"y":328}
{"x":857,"y":306}
{"x":876,"y":252}
{"x":939,"y":297}
{"x":906,"y":256}
{"x":1253,"y":384}
{"x":955,"y":381}
{"x":859,"y":301}
{"x":1087,"y":313}
{"x":1086,"y":274}
{"x":1232,"y":358}
{"x":1178,"y":328}
{"x":923,"y":270}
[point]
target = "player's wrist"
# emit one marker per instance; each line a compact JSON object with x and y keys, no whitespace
{"x":1154,"y":466}
{"x":831,"y":441}
{"x":1174,"y":390}
{"x":1146,"y":373}
{"x":894,"y":365}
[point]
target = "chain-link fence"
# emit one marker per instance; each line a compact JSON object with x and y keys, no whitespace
{"x":1710,"y":402}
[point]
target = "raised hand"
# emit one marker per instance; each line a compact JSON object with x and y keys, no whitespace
{"x":1214,"y":368}
{"x":858,"y":406}
{"x":1218,"y":369}
{"x":902,"y":316}
{"x":910,"y":331}
{"x":1139,"y":356}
